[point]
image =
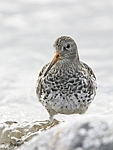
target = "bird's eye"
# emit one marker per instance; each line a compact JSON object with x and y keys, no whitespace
{"x":68,"y":46}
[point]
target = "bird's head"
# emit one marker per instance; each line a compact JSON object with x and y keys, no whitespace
{"x":65,"y":51}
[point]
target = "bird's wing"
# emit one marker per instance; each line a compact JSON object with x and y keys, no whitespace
{"x":89,"y":70}
{"x":43,"y":70}
{"x":38,"y":84}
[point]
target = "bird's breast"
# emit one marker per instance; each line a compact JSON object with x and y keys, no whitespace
{"x":67,"y":84}
{"x":66,"y":91}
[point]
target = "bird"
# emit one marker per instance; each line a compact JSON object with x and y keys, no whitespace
{"x":66,"y":85}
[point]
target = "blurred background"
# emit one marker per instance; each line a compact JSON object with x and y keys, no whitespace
{"x":28,"y":29}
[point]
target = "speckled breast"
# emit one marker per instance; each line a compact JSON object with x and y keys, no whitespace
{"x":67,"y":91}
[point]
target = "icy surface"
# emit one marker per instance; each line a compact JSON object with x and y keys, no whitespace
{"x":28,"y":29}
{"x":80,"y":134}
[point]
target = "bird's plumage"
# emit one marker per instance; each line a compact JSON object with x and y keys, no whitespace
{"x":66,"y":85}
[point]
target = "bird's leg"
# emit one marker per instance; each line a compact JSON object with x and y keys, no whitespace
{"x":51,"y":118}
{"x":51,"y":114}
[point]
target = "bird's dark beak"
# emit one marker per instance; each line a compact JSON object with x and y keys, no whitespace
{"x":54,"y":60}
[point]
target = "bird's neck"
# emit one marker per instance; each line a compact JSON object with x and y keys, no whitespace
{"x":66,"y":63}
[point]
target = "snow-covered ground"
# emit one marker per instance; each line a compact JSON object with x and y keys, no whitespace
{"x":28,"y":29}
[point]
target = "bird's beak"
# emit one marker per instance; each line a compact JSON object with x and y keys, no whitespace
{"x":54,"y":60}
